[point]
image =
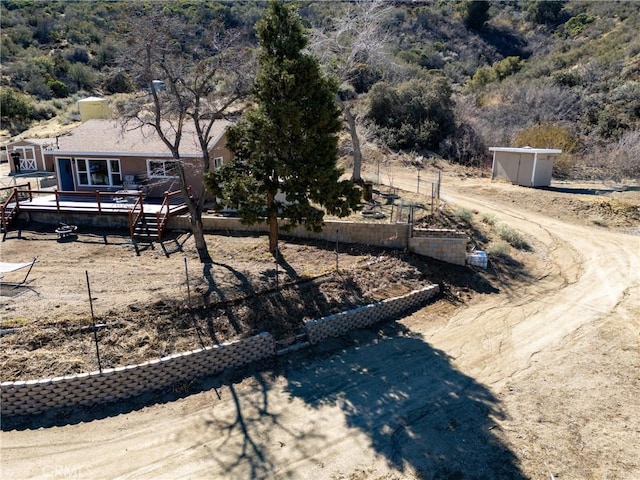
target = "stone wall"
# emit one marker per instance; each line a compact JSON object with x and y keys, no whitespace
{"x":37,"y":396}
{"x":390,"y":235}
{"x":446,"y":245}
{"x":442,"y":244}
{"x":340,"y":323}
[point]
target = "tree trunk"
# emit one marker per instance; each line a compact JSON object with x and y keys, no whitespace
{"x":195,"y":219}
{"x":355,"y":141}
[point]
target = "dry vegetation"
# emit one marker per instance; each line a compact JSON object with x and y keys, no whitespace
{"x":145,"y":307}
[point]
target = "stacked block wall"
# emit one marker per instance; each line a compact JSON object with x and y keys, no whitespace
{"x":36,"y":396}
{"x":340,"y":323}
{"x":446,"y":245}
{"x":390,"y":235}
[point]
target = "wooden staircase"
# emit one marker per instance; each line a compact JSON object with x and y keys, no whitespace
{"x":9,"y":213}
{"x":147,"y":229}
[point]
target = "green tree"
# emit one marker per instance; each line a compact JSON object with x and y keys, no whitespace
{"x":415,"y":115}
{"x":286,"y":146}
{"x":475,"y":13}
{"x":545,"y":11}
{"x":15,"y":106}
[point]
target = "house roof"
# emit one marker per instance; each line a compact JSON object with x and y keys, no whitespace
{"x":524,"y":150}
{"x":111,"y":137}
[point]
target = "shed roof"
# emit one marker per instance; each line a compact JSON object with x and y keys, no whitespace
{"x":525,"y":150}
{"x":109,"y":137}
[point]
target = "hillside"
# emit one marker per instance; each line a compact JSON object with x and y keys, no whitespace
{"x":454,"y":78}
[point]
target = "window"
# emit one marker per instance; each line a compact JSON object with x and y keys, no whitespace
{"x":98,"y":172}
{"x":217,"y":162}
{"x":162,"y":168}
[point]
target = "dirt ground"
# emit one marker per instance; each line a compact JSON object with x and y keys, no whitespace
{"x":526,"y":370}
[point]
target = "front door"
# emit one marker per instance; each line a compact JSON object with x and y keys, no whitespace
{"x":65,"y":175}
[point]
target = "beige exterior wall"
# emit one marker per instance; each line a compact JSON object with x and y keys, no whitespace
{"x":138,"y":166}
{"x":544,"y":170}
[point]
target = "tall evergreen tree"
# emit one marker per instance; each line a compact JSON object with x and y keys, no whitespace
{"x":286,"y":146}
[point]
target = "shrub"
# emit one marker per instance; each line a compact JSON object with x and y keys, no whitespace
{"x":464,"y":214}
{"x":488,"y":219}
{"x":415,"y":115}
{"x":549,"y":135}
{"x":575,"y":25}
{"x":464,"y":146}
{"x":497,"y":72}
{"x":15,"y":105}
{"x":512,"y":237}
{"x":498,"y":249}
{"x":545,"y":12}
{"x":58,"y":88}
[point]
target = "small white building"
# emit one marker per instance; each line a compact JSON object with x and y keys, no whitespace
{"x":526,"y":166}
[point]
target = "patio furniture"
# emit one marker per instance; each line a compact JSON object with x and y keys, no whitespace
{"x":7,"y":267}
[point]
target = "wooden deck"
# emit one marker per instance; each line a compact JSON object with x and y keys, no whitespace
{"x":116,"y":205}
{"x":153,"y":213}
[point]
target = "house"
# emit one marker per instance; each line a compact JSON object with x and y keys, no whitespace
{"x":526,"y":166}
{"x":102,"y":155}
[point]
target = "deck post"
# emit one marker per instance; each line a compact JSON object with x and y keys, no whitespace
{"x":98,"y":202}
{"x":57,"y":200}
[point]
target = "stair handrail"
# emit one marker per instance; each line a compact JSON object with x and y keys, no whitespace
{"x":134,"y":217}
{"x":163,"y":214}
{"x":12,"y":197}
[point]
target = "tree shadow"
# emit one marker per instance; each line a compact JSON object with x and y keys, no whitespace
{"x":245,"y":439}
{"x":506,"y":43}
{"x":213,"y":288}
{"x":416,"y":408}
{"x":174,"y":242}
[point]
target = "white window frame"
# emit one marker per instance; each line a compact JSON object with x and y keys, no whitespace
{"x":153,"y":172}
{"x":28,"y":159}
{"x":82,"y":167}
{"x":217,"y":162}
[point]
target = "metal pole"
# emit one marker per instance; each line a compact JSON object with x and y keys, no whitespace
{"x":277,"y":272}
{"x":95,"y":330}
{"x":337,"y":267}
{"x":186,"y":272}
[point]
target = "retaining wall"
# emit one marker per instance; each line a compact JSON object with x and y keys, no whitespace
{"x":104,"y":220}
{"x":446,"y":245}
{"x":390,"y":235}
{"x":442,"y":244}
{"x":36,"y":396}
{"x":340,"y":323}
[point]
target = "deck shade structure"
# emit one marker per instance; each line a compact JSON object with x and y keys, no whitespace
{"x":526,"y":166}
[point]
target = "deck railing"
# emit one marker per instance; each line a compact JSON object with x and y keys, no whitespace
{"x":10,"y":206}
{"x":99,"y":201}
{"x":165,"y":209}
{"x":136,"y":214}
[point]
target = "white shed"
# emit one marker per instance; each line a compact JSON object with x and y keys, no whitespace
{"x":526,"y":166}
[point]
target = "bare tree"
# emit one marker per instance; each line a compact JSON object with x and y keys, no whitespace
{"x":352,"y":45}
{"x":204,"y":72}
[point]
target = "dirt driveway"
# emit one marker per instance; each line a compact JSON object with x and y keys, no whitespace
{"x":539,"y":380}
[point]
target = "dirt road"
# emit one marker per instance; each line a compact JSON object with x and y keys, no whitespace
{"x":537,"y":380}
